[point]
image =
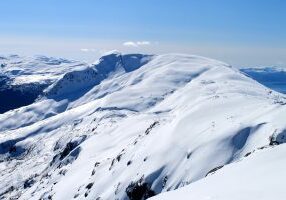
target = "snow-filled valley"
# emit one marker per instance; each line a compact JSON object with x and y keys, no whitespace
{"x":134,"y":126}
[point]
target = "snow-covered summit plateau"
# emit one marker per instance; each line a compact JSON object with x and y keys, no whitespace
{"x":133,"y":126}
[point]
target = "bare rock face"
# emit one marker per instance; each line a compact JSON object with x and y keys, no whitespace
{"x":139,"y":191}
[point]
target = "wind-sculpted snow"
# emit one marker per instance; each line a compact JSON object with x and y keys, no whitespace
{"x":144,"y":125}
{"x":259,"y":176}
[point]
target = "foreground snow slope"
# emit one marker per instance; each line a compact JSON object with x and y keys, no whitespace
{"x":135,"y":133}
{"x":259,"y":176}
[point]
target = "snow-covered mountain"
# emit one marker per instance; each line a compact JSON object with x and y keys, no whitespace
{"x":133,"y":126}
{"x":23,"y":79}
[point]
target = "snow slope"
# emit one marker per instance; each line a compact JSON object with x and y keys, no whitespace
{"x":259,"y":176}
{"x":144,"y":125}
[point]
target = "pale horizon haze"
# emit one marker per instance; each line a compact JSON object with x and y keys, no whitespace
{"x":241,"y":33}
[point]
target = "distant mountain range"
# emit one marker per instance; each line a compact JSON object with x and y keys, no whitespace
{"x":272,"y":77}
{"x":24,"y":79}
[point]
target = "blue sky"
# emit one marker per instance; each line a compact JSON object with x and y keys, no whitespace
{"x":241,"y":32}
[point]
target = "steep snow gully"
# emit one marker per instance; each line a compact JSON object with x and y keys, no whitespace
{"x":134,"y":126}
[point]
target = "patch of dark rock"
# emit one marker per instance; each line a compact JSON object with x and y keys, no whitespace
{"x":69,"y":147}
{"x":89,"y":186}
{"x":145,"y":159}
{"x":118,"y":157}
{"x":129,"y":162}
{"x":62,"y":161}
{"x":112,"y":163}
{"x":280,"y":102}
{"x":96,"y":164}
{"x":189,"y":155}
{"x":63,"y":172}
{"x":247,"y":154}
{"x":72,"y":156}
{"x":86,"y":194}
{"x":77,"y":122}
{"x":28,"y":183}
{"x":148,"y":130}
{"x":75,"y":196}
{"x":214,"y":170}
{"x":57,"y":145}
{"x":117,"y":188}
{"x":139,"y":191}
{"x":263,"y":147}
{"x":164,"y":182}
{"x":273,"y":141}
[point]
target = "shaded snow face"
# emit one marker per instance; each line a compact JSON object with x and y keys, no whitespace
{"x":75,"y":84}
{"x":260,"y":175}
{"x":13,"y":97}
{"x":149,"y":125}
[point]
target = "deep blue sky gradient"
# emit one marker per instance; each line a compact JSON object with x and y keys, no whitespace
{"x":218,"y":23}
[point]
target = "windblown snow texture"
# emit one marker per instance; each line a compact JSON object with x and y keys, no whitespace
{"x":133,"y":126}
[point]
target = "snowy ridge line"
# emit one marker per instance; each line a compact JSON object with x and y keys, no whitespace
{"x":90,"y":76}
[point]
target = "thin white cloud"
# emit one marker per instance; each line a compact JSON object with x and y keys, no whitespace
{"x":130,"y":44}
{"x":87,"y":50}
{"x":143,"y":43}
{"x":136,"y":44}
